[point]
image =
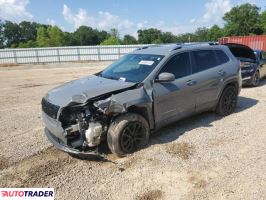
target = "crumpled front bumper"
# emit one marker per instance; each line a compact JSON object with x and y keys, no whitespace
{"x":61,"y":146}
{"x":55,"y":134}
{"x":247,"y":74}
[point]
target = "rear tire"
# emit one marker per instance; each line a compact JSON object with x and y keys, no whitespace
{"x":227,"y":102}
{"x":127,"y":134}
{"x":255,"y":79}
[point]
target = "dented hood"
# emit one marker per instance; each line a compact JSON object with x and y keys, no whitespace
{"x":81,"y":90}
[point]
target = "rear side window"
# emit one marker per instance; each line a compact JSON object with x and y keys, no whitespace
{"x":204,"y":59}
{"x":179,"y":65}
{"x":222,"y":57}
{"x":264,"y":55}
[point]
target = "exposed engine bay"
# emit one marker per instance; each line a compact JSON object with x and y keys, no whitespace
{"x":84,"y":126}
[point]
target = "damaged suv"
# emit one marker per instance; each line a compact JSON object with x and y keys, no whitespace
{"x":141,"y":92}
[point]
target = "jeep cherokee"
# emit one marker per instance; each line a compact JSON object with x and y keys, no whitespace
{"x":138,"y":94}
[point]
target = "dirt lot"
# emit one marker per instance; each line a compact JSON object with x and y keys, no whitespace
{"x":203,"y":157}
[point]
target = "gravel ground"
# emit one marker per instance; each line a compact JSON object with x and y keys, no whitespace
{"x":202,"y":157}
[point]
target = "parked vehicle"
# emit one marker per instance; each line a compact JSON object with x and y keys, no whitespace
{"x":141,"y":92}
{"x":252,"y":69}
{"x":261,"y":59}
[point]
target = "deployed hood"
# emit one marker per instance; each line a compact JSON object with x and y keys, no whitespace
{"x":81,"y":90}
{"x":241,"y":51}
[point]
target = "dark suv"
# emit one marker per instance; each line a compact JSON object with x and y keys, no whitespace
{"x":261,"y":61}
{"x":252,"y":63}
{"x":141,"y":92}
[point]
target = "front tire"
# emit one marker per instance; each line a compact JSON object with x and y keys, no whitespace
{"x":227,"y":102}
{"x":255,"y":79}
{"x":127,"y":134}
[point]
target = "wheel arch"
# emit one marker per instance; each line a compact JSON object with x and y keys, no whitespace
{"x":234,"y":83}
{"x":145,"y":112}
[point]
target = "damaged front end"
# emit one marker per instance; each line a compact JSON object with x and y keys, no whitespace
{"x":76,"y":129}
{"x":79,"y":128}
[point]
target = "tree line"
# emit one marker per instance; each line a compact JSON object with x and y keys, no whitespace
{"x":245,"y":19}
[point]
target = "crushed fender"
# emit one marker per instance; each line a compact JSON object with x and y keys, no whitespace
{"x":119,"y":103}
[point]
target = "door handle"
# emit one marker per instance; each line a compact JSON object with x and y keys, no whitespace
{"x":221,"y":73}
{"x":191,"y":82}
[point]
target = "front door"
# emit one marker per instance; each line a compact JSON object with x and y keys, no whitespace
{"x":174,"y":100}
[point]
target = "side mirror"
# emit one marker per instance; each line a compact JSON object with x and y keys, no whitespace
{"x":165,"y":77}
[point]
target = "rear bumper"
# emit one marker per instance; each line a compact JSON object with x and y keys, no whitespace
{"x":61,"y":146}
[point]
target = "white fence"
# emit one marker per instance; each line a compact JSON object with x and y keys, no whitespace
{"x":64,"y":54}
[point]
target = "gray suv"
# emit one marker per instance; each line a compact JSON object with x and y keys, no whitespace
{"x":138,"y":94}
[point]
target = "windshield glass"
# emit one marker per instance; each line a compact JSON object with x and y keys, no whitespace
{"x":132,"y":67}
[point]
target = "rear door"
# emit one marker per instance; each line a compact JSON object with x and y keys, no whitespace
{"x":263,"y":63}
{"x":174,"y":100}
{"x":209,"y":71}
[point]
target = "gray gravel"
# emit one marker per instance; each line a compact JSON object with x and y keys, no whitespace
{"x":202,"y":157}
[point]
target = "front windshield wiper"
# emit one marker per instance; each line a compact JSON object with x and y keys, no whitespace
{"x":109,"y":77}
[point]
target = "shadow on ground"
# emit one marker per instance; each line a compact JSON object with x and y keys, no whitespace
{"x":203,"y":120}
{"x":173,"y":131}
{"x":262,"y":83}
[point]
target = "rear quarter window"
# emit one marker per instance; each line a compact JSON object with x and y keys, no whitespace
{"x":203,"y":60}
{"x":222,"y":57}
{"x":264,"y":55}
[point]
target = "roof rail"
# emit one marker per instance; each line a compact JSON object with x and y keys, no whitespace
{"x":213,"y":43}
{"x":200,"y":43}
{"x":181,"y":45}
{"x":145,"y":47}
{"x":176,"y":48}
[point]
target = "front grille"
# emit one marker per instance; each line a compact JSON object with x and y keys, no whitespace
{"x":50,"y":109}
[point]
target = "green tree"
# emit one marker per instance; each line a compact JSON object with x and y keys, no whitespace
{"x":242,"y":20}
{"x":85,"y":35}
{"x":157,"y":41}
{"x":263,"y":21}
{"x":28,"y":31}
{"x":42,"y":37}
{"x":113,"y":38}
{"x":128,"y":39}
{"x":202,"y":34}
{"x":12,"y":34}
{"x":214,"y":33}
{"x":56,"y":37}
{"x":168,"y":37}
{"x":148,"y":36}
{"x":111,"y":41}
{"x":70,"y":39}
{"x":1,"y":35}
{"x":114,"y":32}
{"x":28,"y":44}
{"x":102,"y":35}
{"x":50,"y":37}
{"x":187,"y":37}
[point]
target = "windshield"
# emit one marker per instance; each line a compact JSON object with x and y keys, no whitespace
{"x":132,"y":67}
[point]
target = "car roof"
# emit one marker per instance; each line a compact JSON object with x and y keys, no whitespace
{"x":166,"y":49}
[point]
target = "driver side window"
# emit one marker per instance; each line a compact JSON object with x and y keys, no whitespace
{"x":179,"y":65}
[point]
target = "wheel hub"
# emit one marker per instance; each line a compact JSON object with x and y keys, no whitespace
{"x":132,"y":137}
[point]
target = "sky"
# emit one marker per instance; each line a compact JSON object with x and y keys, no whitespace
{"x":128,"y":16}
